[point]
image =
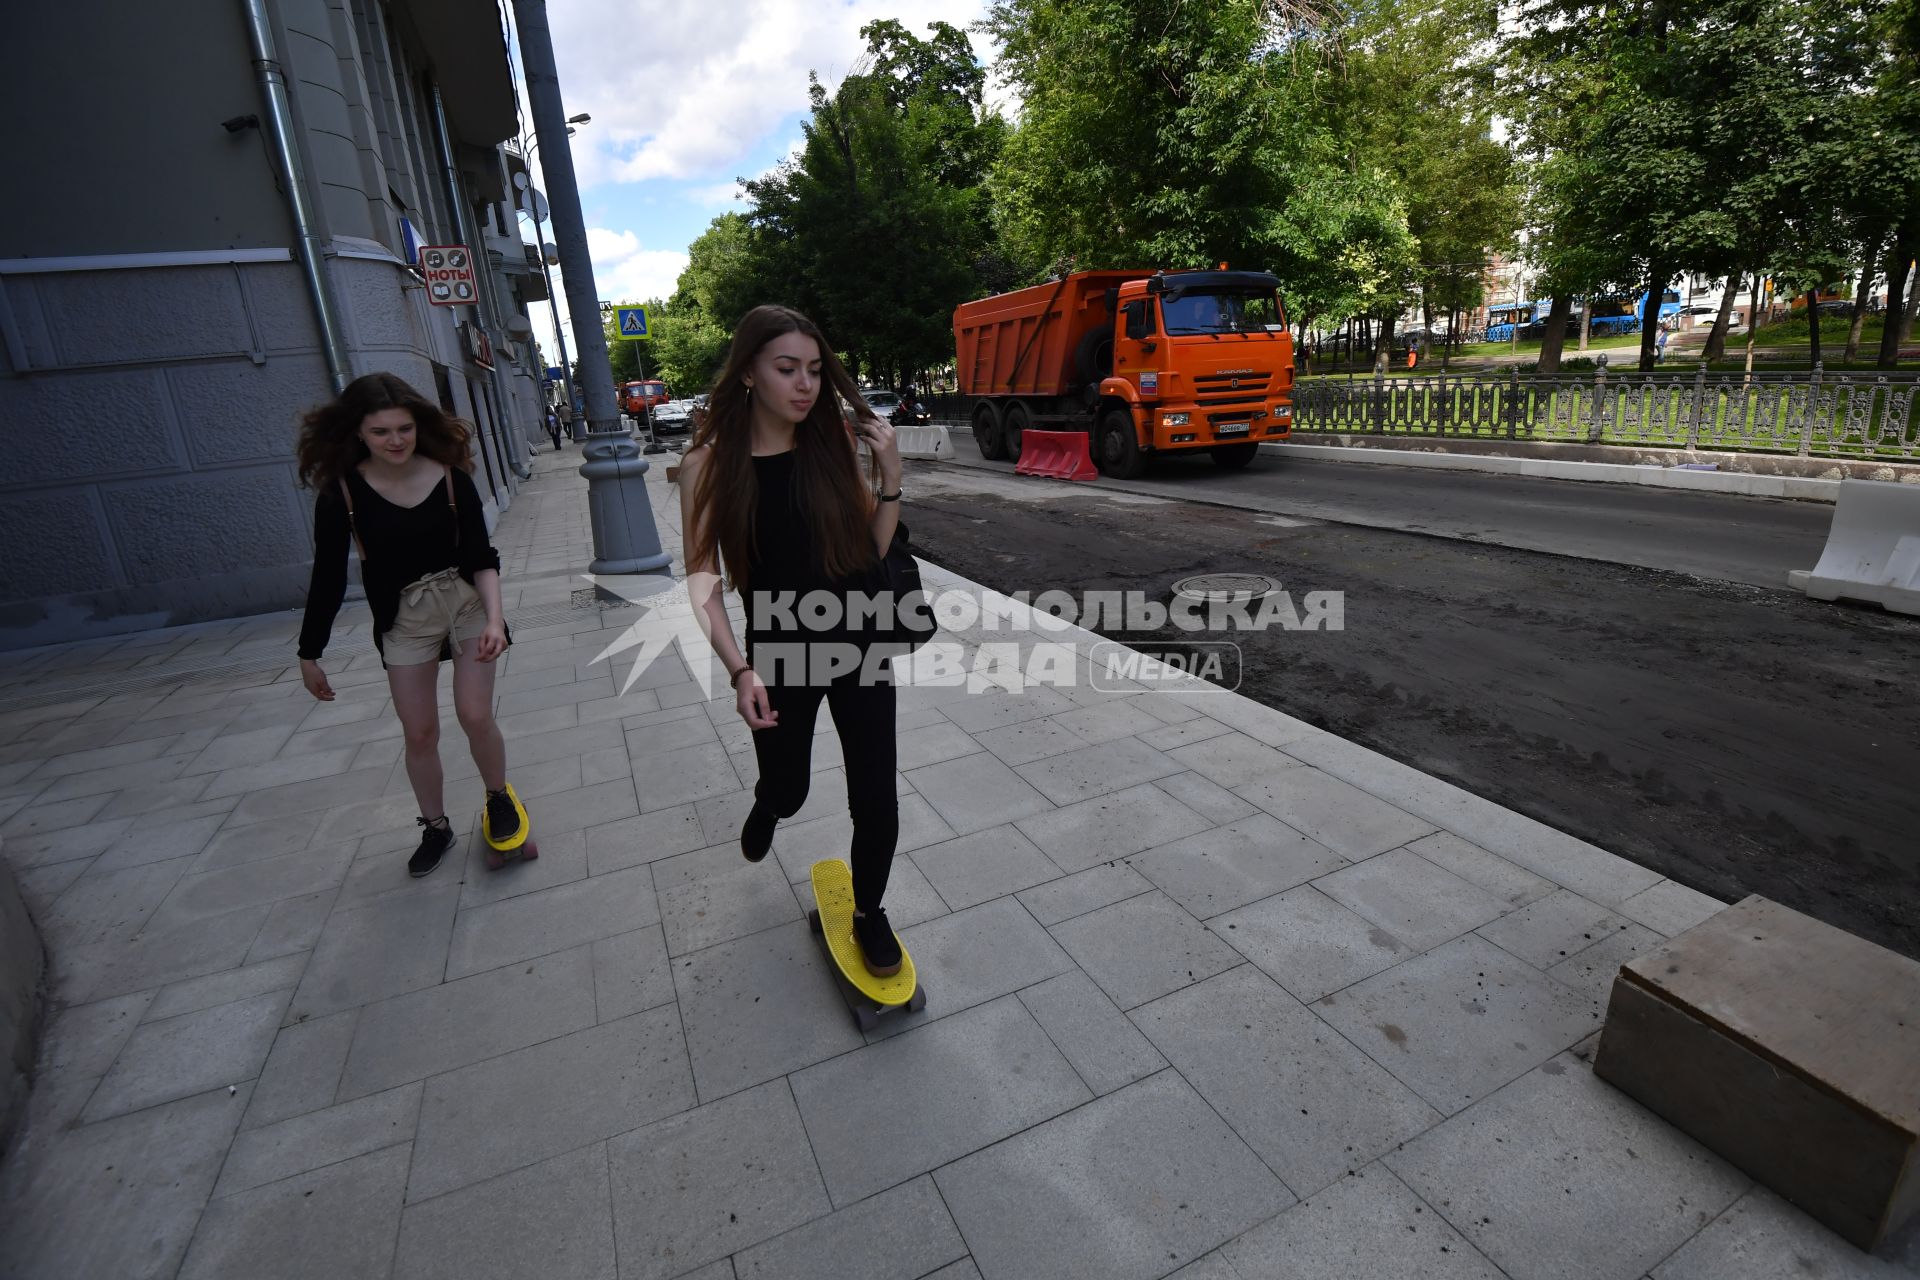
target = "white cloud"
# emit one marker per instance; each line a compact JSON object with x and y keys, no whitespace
{"x":688,"y":91}
{"x":626,"y":271}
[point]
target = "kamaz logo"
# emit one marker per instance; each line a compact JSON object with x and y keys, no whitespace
{"x":1234,"y":385}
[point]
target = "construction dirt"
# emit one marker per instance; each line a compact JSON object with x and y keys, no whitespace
{"x":1737,"y":739}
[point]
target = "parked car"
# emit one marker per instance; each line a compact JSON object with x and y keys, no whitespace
{"x":673,"y":416}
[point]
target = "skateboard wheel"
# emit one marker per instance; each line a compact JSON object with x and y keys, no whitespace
{"x":494,"y":860}
{"x":864,"y":1018}
{"x":919,"y":1000}
{"x":813,"y":919}
{"x":532,"y":851}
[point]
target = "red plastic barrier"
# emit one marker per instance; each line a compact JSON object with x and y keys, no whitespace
{"x":1058,"y":455}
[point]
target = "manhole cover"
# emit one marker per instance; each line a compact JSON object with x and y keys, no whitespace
{"x":1225,"y":587}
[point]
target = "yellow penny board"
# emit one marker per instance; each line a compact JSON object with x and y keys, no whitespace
{"x":520,"y":848}
{"x":833,"y":891}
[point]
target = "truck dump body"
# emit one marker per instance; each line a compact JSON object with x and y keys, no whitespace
{"x":1023,"y":343}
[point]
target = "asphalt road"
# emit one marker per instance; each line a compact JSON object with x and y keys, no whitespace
{"x":1736,"y":738}
{"x":1710,"y":535}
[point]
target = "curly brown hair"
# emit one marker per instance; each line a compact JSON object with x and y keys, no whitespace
{"x":330,"y":435}
{"x":837,"y":503}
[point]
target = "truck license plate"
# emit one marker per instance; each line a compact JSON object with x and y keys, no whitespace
{"x":1232,"y":429}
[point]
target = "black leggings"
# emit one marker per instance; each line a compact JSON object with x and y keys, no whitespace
{"x":863,"y":715}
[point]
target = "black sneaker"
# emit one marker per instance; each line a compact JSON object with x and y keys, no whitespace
{"x":503,"y":817}
{"x":434,"y":843}
{"x":756,"y":833}
{"x":878,"y":947}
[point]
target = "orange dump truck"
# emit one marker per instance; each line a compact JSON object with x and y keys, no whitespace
{"x":1146,"y":362}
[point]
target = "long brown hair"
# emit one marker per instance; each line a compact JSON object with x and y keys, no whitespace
{"x":330,"y":441}
{"x":837,"y":503}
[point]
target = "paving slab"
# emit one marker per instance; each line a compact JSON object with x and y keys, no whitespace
{"x":1460,"y":1021}
{"x":1669,"y":908}
{"x":1366,"y":1226}
{"x":437,"y":1029}
{"x":1541,"y":1176}
{"x":988,"y":864}
{"x":1313,"y":1107}
{"x":719,"y":908}
{"x":550,"y":920}
{"x":957,"y":1085}
{"x":1085,"y":772}
{"x":977,"y":955}
{"x":1083,"y":891}
{"x":1411,"y":898}
{"x":759,"y":1007}
{"x":901,"y":1234}
{"x":710,"y":1182}
{"x":194,"y":994}
{"x":1762,"y":1236}
{"x":103,"y":905}
{"x":1342,"y":817}
{"x":189,"y":1054}
{"x":1143,"y":948}
{"x":1102,"y":1044}
{"x":631,"y":973}
{"x":302,"y":1071}
{"x":1505,"y":880}
{"x":649,"y":837}
{"x":319,"y":1138}
{"x":1128,"y":1187}
{"x":1308,"y":943}
{"x":1111,"y":826}
{"x":142,"y":1179}
{"x":1023,"y":743}
{"x":977,"y":791}
{"x":332,"y":1222}
{"x":524,"y":1106}
{"x":1230,"y":866}
{"x":553,"y":1220}
{"x":1545,"y":932}
{"x":385,"y":948}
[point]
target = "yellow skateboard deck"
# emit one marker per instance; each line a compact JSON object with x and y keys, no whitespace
{"x":833,"y":920}
{"x":521,"y":847}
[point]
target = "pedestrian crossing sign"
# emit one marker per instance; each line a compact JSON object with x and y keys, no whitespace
{"x":632,"y":324}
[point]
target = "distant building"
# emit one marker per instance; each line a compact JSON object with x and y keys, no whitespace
{"x":159,"y":336}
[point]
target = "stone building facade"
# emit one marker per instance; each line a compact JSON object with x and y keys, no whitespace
{"x":158,"y":335}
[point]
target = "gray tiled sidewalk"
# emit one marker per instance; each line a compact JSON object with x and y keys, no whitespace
{"x":1213,"y":994}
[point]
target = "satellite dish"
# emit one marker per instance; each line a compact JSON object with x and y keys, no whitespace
{"x":520,"y":179}
{"x":534,"y":203}
{"x":551,"y":252}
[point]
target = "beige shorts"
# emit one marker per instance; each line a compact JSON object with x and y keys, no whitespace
{"x":440,"y":608}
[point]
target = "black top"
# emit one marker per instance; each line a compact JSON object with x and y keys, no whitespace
{"x":404,"y":544}
{"x":783,"y":557}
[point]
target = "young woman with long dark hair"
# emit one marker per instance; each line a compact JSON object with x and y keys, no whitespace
{"x":773,"y":496}
{"x":391,"y":474}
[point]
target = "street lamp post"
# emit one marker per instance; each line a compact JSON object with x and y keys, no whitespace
{"x":625,"y":540}
{"x":546,"y":269}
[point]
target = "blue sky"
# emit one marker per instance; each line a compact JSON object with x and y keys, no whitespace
{"x":686,"y":98}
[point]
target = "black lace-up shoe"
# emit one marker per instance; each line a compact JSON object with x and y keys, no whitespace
{"x":756,"y":834}
{"x":878,"y":947}
{"x":434,"y":843}
{"x":503,"y":818}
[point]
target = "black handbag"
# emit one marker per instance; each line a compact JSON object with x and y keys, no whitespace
{"x":910,"y":623}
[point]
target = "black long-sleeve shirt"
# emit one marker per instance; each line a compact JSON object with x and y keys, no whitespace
{"x":404,"y":544}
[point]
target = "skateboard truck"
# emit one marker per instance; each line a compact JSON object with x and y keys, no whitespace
{"x":832,"y":918}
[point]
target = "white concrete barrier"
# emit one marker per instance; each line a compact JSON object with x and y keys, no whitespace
{"x":931,"y":441}
{"x":1873,"y":548}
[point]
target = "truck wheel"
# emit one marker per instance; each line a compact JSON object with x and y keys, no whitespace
{"x":1013,"y":430}
{"x":1119,"y":446}
{"x":986,"y":430}
{"x":1232,"y":457}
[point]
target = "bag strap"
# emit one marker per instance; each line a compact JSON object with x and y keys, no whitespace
{"x":353,"y":525}
{"x":453,"y":503}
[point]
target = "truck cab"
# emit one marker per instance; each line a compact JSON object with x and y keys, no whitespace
{"x":1201,"y":359}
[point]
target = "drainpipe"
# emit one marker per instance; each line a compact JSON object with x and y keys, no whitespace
{"x":469,"y":236}
{"x":293,"y":180}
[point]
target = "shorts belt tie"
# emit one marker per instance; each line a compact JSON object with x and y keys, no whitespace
{"x":444,"y":588}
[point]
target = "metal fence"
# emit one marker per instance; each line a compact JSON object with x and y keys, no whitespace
{"x":1856,"y":416}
